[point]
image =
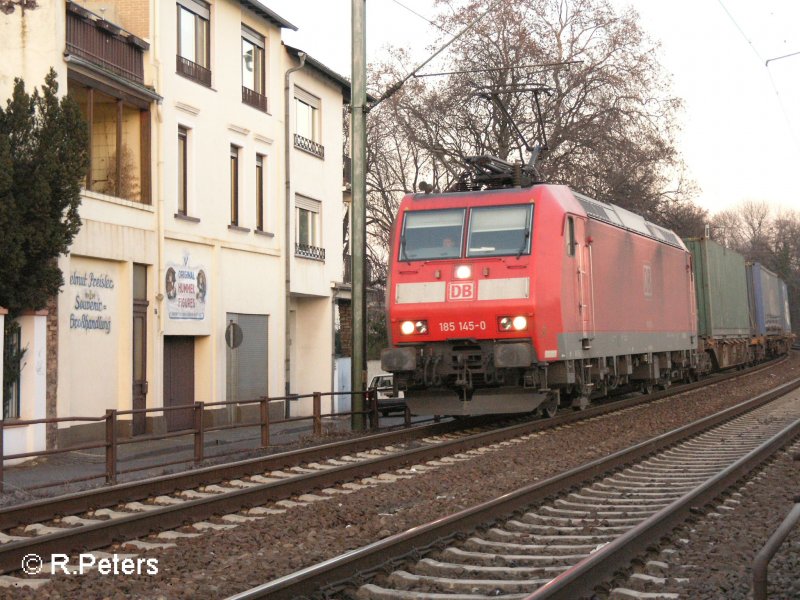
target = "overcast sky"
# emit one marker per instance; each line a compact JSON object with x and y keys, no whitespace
{"x":741,"y":124}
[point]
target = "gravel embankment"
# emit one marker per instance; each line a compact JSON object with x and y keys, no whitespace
{"x":222,"y":563}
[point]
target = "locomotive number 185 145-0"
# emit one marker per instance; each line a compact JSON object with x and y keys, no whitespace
{"x":459,"y":326}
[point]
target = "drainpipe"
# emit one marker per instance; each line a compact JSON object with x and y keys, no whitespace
{"x":287,"y":222}
{"x":157,"y":134}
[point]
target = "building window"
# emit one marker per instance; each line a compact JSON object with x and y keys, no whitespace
{"x":307,"y":123}
{"x":259,"y":192}
{"x":182,"y":170}
{"x":253,"y":87}
{"x":194,"y":41}
{"x":119,"y":152}
{"x":234,"y":185}
{"x":307,"y":228}
{"x":11,"y":387}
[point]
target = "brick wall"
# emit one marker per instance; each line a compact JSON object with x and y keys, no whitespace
{"x":131,"y":15}
{"x":346,"y":326}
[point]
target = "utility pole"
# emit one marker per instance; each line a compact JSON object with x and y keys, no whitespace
{"x":358,"y":108}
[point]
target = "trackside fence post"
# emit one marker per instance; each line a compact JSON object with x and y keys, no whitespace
{"x":264,"y":422}
{"x":761,"y":561}
{"x":111,"y":446}
{"x":372,"y":400}
{"x":317,"y":413}
{"x":198,"y":432}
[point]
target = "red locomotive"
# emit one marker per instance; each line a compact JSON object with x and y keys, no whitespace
{"x":505,"y":300}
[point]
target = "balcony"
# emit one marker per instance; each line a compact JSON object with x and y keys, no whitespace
{"x":192,"y":70}
{"x":254,"y":99}
{"x":309,"y":146}
{"x":103,"y":44}
{"x":306,"y":251}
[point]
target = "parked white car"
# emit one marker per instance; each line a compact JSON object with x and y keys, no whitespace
{"x":387,"y":402}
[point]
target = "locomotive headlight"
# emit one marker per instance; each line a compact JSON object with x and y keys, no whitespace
{"x":463,"y":272}
{"x":516,"y":323}
{"x":409,"y":327}
{"x":520,"y":323}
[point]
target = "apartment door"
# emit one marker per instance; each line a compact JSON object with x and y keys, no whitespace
{"x":139,"y":365}
{"x":139,"y":347}
{"x":178,"y":380}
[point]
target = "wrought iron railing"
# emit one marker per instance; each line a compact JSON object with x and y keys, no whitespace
{"x":105,"y":45}
{"x":307,"y":251}
{"x":254,"y":99}
{"x":192,"y":70}
{"x":309,"y":146}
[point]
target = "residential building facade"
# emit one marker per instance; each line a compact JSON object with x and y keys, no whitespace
{"x":212,"y":212}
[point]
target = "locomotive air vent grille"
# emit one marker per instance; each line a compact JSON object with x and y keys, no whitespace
{"x":665,"y":234}
{"x":631,"y":222}
{"x":594,"y":210}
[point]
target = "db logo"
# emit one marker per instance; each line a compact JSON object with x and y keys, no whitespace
{"x":461,"y":290}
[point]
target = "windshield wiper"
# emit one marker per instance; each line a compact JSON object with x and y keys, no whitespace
{"x":524,"y":243}
{"x":403,"y":255}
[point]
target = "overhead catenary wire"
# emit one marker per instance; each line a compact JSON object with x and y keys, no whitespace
{"x":491,"y":69}
{"x":423,"y":17}
{"x":393,"y":89}
{"x":769,"y":75}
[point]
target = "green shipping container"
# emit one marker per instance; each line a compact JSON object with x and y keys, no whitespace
{"x":720,"y":280}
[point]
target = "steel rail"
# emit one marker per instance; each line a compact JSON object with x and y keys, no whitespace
{"x":378,"y":554}
{"x":601,"y":565}
{"x":94,"y":536}
{"x":108,"y":496}
{"x":77,"y":502}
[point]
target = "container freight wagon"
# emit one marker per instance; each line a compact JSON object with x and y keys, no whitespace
{"x":723,"y":309}
{"x":505,"y":300}
{"x":769,"y":312}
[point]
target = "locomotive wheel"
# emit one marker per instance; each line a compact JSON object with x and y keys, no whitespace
{"x":580,"y":403}
{"x":550,"y":406}
{"x":647,"y":388}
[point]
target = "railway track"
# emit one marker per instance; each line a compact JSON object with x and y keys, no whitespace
{"x":569,"y":534}
{"x":240,"y":491}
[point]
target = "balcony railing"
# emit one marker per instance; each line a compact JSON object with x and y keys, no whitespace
{"x":104,"y":44}
{"x":307,"y":251}
{"x":309,"y":146}
{"x":192,"y":70}
{"x":254,"y":99}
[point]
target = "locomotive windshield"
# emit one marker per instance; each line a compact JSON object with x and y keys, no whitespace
{"x":431,"y":234}
{"x":500,"y":231}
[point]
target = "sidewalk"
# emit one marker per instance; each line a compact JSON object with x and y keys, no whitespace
{"x":149,"y":456}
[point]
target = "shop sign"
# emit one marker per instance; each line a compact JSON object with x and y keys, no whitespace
{"x":89,"y":310}
{"x":186,"y":287}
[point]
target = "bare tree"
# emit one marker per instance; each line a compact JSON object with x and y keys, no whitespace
{"x":769,"y":237}
{"x":609,"y":117}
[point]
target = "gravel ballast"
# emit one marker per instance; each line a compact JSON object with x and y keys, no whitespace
{"x":222,"y":563}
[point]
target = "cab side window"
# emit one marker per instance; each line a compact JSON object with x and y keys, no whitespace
{"x":570,"y":236}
